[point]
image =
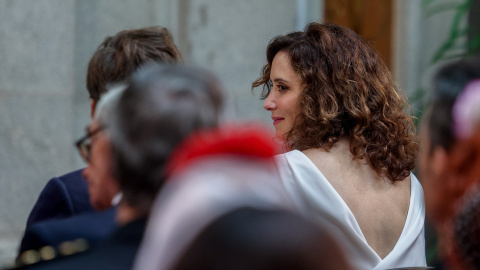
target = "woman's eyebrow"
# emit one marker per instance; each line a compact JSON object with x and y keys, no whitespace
{"x":280,"y":80}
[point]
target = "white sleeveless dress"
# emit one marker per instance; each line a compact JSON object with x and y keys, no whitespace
{"x":317,"y":200}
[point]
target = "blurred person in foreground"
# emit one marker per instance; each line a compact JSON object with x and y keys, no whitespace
{"x":211,"y":174}
{"x":113,"y":61}
{"x":351,"y":145}
{"x":161,"y":105}
{"x":448,"y":162}
{"x":263,"y":239}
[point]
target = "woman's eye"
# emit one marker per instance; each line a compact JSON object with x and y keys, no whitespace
{"x":282,"y":88}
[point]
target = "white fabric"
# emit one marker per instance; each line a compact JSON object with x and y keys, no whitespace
{"x":193,"y":198}
{"x":317,"y":200}
{"x":116,"y":200}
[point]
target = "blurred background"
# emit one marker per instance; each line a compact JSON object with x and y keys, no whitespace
{"x":45,"y":46}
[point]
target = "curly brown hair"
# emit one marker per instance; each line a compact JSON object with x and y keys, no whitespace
{"x":347,"y":92}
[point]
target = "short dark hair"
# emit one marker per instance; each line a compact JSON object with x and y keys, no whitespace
{"x":347,"y":92}
{"x":118,"y":56}
{"x":448,"y":82}
{"x":161,"y":106}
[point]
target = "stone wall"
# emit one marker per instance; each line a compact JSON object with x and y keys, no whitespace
{"x":36,"y":105}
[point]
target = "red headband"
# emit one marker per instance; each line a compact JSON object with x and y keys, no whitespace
{"x":240,"y":140}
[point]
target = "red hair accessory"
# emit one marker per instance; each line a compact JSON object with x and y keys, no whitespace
{"x":240,"y":140}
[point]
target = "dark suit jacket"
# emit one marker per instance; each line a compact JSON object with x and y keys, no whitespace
{"x":117,"y":252}
{"x":93,"y":226}
{"x":62,"y":197}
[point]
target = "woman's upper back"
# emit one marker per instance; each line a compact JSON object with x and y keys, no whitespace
{"x":379,"y":205}
{"x":379,"y":222}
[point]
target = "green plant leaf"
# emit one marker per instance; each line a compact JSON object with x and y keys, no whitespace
{"x":454,"y":33}
{"x":443,"y":8}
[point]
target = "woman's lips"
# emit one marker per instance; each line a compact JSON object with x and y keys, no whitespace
{"x":277,"y":120}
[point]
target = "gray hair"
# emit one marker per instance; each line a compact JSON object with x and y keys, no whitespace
{"x":106,"y":104}
{"x":161,"y":105}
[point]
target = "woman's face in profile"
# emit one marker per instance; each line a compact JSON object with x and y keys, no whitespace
{"x":283,"y":99}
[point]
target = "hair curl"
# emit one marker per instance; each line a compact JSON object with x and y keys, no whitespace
{"x":348,"y":92}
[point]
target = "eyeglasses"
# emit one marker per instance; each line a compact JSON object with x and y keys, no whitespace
{"x":84,"y":144}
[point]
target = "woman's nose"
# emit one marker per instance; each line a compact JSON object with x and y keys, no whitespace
{"x":269,"y":103}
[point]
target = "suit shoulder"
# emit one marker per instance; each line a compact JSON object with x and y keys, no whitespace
{"x":63,"y":183}
{"x":71,"y":177}
{"x":62,"y":197}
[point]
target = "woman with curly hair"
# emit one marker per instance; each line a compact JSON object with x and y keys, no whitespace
{"x":350,"y":144}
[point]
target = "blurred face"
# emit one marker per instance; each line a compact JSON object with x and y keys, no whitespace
{"x":102,"y":186}
{"x":431,"y":165}
{"x":283,"y":100}
{"x":424,"y":166}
